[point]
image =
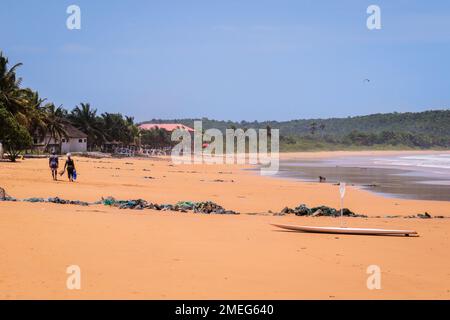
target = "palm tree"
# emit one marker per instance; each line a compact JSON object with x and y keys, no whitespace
{"x":23,"y":104}
{"x":37,"y":116}
{"x":18,"y":101}
{"x":55,"y":123}
{"x":115,"y":128}
{"x":85,"y":118}
{"x":313,"y":127}
{"x":322,"y":128}
{"x":9,"y":86}
{"x":133,"y":129}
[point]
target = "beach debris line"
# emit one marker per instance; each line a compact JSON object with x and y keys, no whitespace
{"x":221,"y":180}
{"x":5,"y":197}
{"x":207,"y":207}
{"x":62,"y":201}
{"x":424,"y":215}
{"x":57,"y":200}
{"x":211,"y":207}
{"x":2,"y":194}
{"x":303,"y":210}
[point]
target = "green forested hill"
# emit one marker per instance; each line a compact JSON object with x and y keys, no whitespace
{"x":436,"y":122}
{"x":412,"y":129}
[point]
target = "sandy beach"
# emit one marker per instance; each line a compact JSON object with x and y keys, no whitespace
{"x":172,"y":255}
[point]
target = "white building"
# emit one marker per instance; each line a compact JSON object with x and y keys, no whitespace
{"x":76,"y":141}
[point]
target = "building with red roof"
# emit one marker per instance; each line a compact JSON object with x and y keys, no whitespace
{"x":166,"y":126}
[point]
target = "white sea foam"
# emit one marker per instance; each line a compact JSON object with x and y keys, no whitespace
{"x":441,"y":161}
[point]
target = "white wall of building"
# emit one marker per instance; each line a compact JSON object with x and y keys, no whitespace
{"x":74,"y":145}
{"x":67,"y":145}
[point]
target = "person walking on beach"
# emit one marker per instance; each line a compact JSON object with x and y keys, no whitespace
{"x":53,"y":163}
{"x":70,"y":166}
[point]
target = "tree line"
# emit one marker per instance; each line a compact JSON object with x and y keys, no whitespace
{"x":428,"y":129}
{"x":24,"y":115}
{"x":432,"y":123}
{"x":363,"y":140}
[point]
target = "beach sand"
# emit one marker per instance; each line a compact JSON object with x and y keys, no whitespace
{"x":171,"y":255}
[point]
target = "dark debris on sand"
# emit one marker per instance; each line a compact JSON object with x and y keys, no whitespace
{"x":303,"y":210}
{"x":207,"y":207}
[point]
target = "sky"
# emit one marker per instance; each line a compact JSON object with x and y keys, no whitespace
{"x":233,"y":59}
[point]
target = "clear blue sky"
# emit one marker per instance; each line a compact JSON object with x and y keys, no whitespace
{"x":233,"y":59}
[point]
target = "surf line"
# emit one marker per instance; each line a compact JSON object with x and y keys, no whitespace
{"x":187,"y":310}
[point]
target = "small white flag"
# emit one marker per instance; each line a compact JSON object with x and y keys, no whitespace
{"x":342,"y":189}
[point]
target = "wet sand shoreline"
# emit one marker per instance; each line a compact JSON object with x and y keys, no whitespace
{"x":407,"y":182}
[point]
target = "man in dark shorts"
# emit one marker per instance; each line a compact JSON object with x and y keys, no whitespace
{"x":53,"y":163}
{"x":70,"y":166}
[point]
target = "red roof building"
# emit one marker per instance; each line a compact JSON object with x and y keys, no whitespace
{"x":166,"y":126}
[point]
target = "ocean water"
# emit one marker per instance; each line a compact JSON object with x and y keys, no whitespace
{"x":424,"y":176}
{"x":438,"y":163}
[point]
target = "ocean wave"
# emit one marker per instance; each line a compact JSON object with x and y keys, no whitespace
{"x":424,"y":161}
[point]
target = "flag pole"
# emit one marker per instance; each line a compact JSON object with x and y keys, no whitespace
{"x":342,"y":194}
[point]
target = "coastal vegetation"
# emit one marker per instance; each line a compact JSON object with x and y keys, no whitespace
{"x":411,"y":130}
{"x":24,"y":115}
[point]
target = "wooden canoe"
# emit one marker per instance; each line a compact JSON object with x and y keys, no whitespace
{"x":359,"y":231}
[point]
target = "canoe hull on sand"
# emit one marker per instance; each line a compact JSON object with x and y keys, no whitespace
{"x":359,"y":231}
